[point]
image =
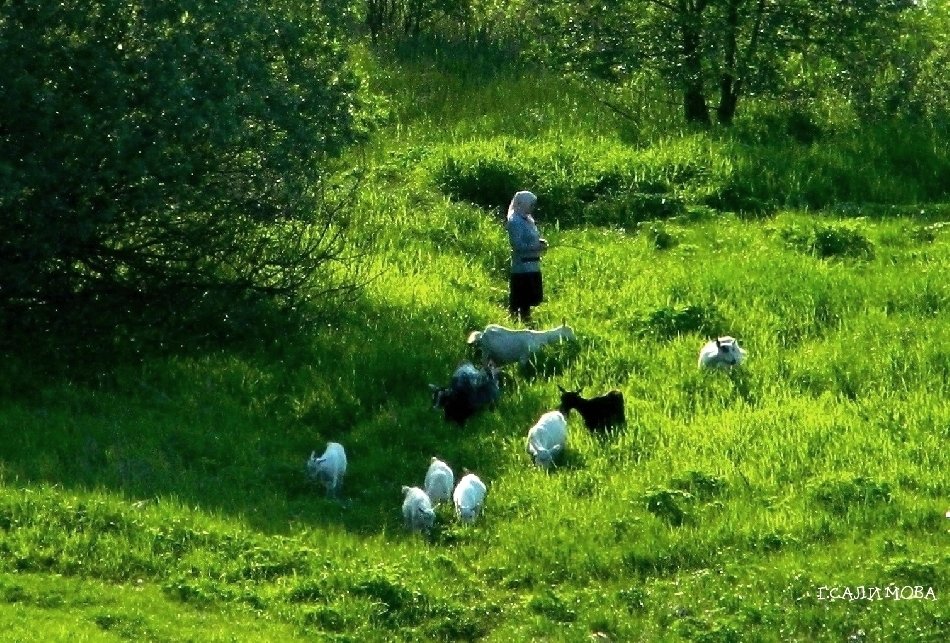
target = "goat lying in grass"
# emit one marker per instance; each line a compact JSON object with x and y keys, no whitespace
{"x":471,"y":390}
{"x":328,"y":468}
{"x":417,"y":509}
{"x":547,"y":438}
{"x":599,"y":413}
{"x":505,"y":345}
{"x":723,"y":352}
{"x":469,"y":496}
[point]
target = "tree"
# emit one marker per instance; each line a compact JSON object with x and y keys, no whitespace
{"x":703,"y":47}
{"x":167,"y":150}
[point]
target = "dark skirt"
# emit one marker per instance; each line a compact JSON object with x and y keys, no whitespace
{"x":525,"y":290}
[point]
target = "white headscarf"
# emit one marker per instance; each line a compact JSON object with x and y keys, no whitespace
{"x":521,"y":204}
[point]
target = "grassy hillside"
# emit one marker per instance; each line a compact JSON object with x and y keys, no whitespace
{"x":164,"y":498}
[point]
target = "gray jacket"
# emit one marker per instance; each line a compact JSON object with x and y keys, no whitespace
{"x":526,"y":246}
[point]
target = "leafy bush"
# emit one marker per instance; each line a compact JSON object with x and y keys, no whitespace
{"x":167,"y":152}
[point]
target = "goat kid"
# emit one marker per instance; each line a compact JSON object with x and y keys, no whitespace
{"x":547,"y":438}
{"x":722,"y":352}
{"x":329,"y":468}
{"x":599,"y":413}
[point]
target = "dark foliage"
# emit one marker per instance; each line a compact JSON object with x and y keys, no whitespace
{"x":166,"y":157}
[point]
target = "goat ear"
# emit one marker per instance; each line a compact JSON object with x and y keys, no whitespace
{"x":433,"y":388}
{"x":561,"y":388}
{"x":718,"y":343}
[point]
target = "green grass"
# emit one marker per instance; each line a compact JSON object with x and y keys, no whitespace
{"x":165,"y":498}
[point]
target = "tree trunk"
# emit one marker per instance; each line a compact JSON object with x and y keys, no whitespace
{"x":695,"y":109}
{"x":728,"y":83}
{"x":735,"y":70}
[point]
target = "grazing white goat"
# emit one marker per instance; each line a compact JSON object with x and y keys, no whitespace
{"x":505,"y":345}
{"x":417,"y":509}
{"x":469,"y":496}
{"x":329,"y":468}
{"x":439,"y":481}
{"x":547,"y":438}
{"x":721,"y":352}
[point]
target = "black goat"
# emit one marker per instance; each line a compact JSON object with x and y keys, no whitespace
{"x":599,"y":413}
{"x":471,"y":390}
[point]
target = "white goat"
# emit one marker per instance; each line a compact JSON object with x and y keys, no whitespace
{"x":547,"y":438}
{"x":722,"y":352}
{"x":329,"y":468}
{"x":505,"y":345}
{"x":417,"y":509}
{"x":469,"y":496}
{"x":439,"y":481}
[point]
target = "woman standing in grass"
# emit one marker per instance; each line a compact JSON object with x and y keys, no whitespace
{"x":527,"y":246}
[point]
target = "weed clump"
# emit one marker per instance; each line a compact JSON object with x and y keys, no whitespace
{"x":840,"y":495}
{"x":702,"y":485}
{"x":827,"y":240}
{"x":672,"y":320}
{"x":553,"y":607}
{"x":485,"y":181}
{"x":738,"y":196}
{"x":669,"y":505}
{"x":658,"y":236}
{"x":914,"y":571}
{"x":631,"y":208}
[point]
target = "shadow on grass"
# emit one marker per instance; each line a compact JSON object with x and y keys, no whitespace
{"x":227,"y":425}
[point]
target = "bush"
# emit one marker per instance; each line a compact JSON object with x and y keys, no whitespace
{"x":167,"y":152}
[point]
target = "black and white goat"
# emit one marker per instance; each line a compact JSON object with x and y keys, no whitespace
{"x":599,"y":413}
{"x":471,"y":390}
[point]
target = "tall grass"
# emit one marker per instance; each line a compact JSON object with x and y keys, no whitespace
{"x":175,"y":484}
